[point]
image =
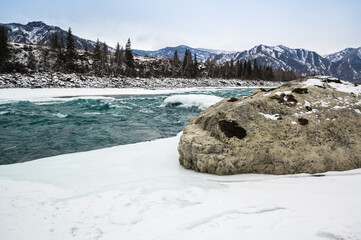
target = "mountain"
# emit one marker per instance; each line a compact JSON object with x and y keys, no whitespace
{"x":335,"y":57}
{"x":299,"y":60}
{"x":168,"y":52}
{"x":40,"y":33}
{"x":348,"y":66}
{"x":345,"y":64}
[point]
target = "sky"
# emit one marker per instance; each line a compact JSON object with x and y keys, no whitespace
{"x":324,"y":26}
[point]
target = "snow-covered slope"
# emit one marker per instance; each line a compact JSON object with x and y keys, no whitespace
{"x":168,"y":52}
{"x":300,"y":60}
{"x":347,"y":64}
{"x":38,"y":32}
{"x":335,"y":57}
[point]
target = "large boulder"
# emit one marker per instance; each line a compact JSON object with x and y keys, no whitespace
{"x":308,"y":126}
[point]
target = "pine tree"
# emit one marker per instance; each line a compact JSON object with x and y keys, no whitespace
{"x":31,"y":60}
{"x":97,"y":56}
{"x":118,"y":61}
{"x":4,"y":47}
{"x":195,"y":67}
{"x":44,"y":56}
{"x":96,"y":52}
{"x":249,"y":68}
{"x":175,"y":63}
{"x":104,"y":58}
{"x":70,"y":45}
{"x":245,"y":69}
{"x":185,"y":59}
{"x":175,"y":57}
{"x":187,"y":66}
{"x":71,"y":54}
{"x":255,"y":69}
{"x":86,"y":46}
{"x":54,"y":41}
{"x":129,"y":58}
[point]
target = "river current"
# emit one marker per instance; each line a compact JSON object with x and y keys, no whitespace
{"x":31,"y":130}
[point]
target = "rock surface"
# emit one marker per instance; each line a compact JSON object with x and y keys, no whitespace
{"x":307,"y":126}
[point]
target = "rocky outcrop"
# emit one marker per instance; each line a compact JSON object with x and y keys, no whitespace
{"x":308,"y":126}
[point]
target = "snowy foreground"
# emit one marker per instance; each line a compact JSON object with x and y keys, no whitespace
{"x":140,"y":191}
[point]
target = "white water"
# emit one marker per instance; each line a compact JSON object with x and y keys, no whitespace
{"x":193,"y":100}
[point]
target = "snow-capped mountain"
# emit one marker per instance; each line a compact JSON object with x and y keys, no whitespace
{"x":345,"y":64}
{"x":349,"y":65}
{"x":40,"y":33}
{"x":168,"y":52}
{"x":335,"y":57}
{"x":299,"y":60}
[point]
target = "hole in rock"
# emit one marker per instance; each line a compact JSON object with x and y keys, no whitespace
{"x":303,"y":121}
{"x":232,"y":99}
{"x":232,"y":129}
{"x":332,"y":81}
{"x":300,"y":90}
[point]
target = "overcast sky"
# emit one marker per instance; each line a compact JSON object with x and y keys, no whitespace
{"x":323,"y":26}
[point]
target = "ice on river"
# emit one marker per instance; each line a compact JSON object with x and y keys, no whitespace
{"x":139,"y":191}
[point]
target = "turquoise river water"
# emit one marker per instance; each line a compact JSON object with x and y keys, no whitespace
{"x":31,"y":130}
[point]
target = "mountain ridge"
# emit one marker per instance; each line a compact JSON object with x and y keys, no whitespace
{"x":345,"y":64}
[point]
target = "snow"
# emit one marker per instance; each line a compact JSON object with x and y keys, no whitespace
{"x":346,"y":87}
{"x":193,"y":100}
{"x":313,"y":82}
{"x":58,"y":94}
{"x":272,"y":117}
{"x":139,"y":191}
{"x":307,"y":104}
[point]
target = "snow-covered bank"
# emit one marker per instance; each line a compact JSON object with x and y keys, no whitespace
{"x":63,"y":94}
{"x":139,"y":191}
{"x":56,"y":80}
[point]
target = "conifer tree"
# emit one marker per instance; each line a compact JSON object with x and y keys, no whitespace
{"x":31,"y":60}
{"x":249,"y":68}
{"x":54,"y":41}
{"x":175,"y":63}
{"x":175,"y":57}
{"x":96,"y":52}
{"x":187,"y":66}
{"x":86,"y":46}
{"x":104,"y":58}
{"x":97,"y":56}
{"x":185,"y":59}
{"x":245,"y":70}
{"x":118,"y":59}
{"x":195,"y":66}
{"x":71,"y":54}
{"x":4,"y":47}
{"x":129,"y":58}
{"x":70,"y":46}
{"x":256,"y":73}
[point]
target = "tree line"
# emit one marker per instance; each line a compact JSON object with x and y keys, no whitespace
{"x":100,"y":61}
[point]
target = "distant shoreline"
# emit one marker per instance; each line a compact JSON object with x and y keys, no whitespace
{"x":61,"y":80}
